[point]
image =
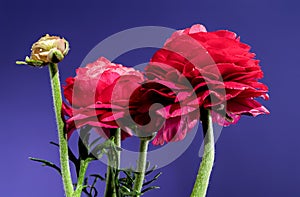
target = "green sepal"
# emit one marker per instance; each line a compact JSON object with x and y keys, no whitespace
{"x":31,"y":62}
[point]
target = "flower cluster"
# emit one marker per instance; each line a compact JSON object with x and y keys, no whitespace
{"x":197,"y":75}
{"x":194,"y":70}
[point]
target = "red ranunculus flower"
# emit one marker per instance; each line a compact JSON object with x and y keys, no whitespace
{"x":221,"y":70}
{"x":99,"y":96}
{"x":163,"y":108}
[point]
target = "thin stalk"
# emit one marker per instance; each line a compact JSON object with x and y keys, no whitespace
{"x":202,"y":180}
{"x":63,"y":143}
{"x":141,"y":165}
{"x":117,"y":141}
{"x":81,"y":176}
{"x":113,"y":165}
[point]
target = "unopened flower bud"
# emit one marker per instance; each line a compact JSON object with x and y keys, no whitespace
{"x":48,"y":49}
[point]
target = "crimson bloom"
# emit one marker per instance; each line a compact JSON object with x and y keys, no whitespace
{"x":98,"y":95}
{"x":162,"y":108}
{"x":221,"y":71}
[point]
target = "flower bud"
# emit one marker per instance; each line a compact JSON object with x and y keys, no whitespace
{"x":48,"y":49}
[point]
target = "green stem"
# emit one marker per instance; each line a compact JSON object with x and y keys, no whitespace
{"x":63,"y":143}
{"x":117,"y":141}
{"x":81,"y":176}
{"x":202,"y":180}
{"x":113,"y":165}
{"x":141,"y":165}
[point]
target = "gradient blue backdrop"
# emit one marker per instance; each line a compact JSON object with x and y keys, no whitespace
{"x":258,"y":157}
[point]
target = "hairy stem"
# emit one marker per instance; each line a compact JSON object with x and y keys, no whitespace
{"x":63,"y":143}
{"x":81,"y":176}
{"x":202,"y":180}
{"x":113,"y":165}
{"x":141,"y":165}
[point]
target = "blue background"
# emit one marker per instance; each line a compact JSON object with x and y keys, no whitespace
{"x":257,"y":157}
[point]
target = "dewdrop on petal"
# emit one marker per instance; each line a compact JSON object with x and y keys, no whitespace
{"x":48,"y":49}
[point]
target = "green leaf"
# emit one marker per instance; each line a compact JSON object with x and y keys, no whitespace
{"x":128,"y":192}
{"x":154,"y":179}
{"x":150,"y":188}
{"x":128,"y":176}
{"x":151,"y":170}
{"x":97,"y":176}
{"x":92,"y":187}
{"x":103,"y":148}
{"x":46,"y":163}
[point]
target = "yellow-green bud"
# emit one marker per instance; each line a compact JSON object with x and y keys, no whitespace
{"x":48,"y":49}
